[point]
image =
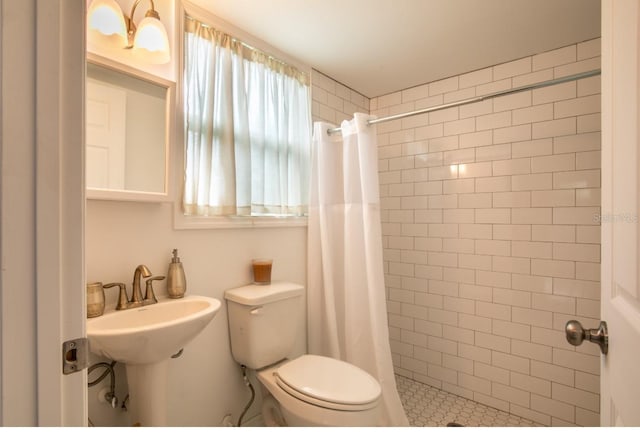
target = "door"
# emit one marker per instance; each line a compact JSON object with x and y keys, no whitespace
{"x":42,"y":207}
{"x":61,"y":399}
{"x":105,"y":136}
{"x":620,"y":376}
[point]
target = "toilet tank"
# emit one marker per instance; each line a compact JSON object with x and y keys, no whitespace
{"x":263,"y":322}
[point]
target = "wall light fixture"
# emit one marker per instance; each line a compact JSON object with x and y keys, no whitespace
{"x":108,"y":26}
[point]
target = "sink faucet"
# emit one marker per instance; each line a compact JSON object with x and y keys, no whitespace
{"x":136,"y":292}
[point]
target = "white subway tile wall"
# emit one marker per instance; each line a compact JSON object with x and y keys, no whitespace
{"x":333,"y":102}
{"x":491,"y":232}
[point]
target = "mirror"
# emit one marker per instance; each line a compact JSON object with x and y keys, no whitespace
{"x":127,"y":132}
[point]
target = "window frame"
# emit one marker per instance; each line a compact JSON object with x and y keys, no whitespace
{"x":180,"y":220}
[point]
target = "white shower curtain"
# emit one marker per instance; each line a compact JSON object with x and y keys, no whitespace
{"x":347,"y":315}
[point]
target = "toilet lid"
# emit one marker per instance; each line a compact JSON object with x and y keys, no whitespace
{"x":328,"y":380}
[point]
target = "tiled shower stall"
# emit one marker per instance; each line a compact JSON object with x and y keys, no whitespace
{"x":490,"y":219}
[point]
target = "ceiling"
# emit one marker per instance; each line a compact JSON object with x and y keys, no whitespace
{"x":381,"y":46}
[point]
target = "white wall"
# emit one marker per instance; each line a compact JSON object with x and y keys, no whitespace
{"x":205,"y":384}
{"x":491,"y":235}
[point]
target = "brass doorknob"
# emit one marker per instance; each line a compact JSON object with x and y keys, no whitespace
{"x":576,"y":334}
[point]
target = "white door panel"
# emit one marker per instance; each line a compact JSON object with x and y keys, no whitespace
{"x":105,"y":136}
{"x":620,"y":377}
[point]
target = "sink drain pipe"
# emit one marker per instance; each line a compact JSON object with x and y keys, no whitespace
{"x":111,"y":395}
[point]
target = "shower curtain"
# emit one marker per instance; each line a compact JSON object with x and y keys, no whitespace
{"x":346,"y":304}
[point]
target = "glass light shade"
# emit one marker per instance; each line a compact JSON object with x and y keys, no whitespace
{"x":106,"y":23}
{"x":151,"y":41}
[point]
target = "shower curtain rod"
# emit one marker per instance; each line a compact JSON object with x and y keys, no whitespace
{"x":570,"y":78}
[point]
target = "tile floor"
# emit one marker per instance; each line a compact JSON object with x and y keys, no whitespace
{"x":428,"y":406}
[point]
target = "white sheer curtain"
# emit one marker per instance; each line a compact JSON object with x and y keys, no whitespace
{"x":347,"y":317}
{"x":247,"y":128}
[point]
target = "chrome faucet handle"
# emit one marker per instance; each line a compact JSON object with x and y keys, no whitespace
{"x":149,"y":296}
{"x":123,"y":301}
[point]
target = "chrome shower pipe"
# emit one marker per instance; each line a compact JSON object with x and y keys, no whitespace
{"x":544,"y":84}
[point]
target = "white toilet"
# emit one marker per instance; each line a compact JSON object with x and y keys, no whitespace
{"x":310,"y":390}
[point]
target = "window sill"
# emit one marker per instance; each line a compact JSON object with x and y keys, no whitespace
{"x":182,"y":222}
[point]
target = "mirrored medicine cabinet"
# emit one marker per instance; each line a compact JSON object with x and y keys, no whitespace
{"x":128,"y":127}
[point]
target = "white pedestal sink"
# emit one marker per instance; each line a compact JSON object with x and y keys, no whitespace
{"x":144,"y":339}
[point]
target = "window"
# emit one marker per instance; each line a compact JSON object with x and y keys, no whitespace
{"x":247,"y":129}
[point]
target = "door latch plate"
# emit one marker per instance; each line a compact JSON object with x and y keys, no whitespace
{"x":75,"y":355}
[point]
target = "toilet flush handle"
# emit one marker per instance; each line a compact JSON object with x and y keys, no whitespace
{"x":256,"y":311}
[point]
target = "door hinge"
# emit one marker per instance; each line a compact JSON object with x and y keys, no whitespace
{"x":75,"y":355}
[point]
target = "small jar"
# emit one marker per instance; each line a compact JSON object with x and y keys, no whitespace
{"x":95,"y":299}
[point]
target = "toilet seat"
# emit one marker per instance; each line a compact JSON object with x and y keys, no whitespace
{"x":329,"y":383}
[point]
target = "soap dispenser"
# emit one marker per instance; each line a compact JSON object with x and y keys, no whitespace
{"x":176,"y":281}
